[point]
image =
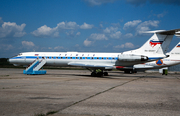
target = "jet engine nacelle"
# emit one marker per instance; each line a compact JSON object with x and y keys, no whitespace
{"x":132,"y":57}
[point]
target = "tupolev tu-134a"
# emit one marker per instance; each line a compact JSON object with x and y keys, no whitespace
{"x":155,"y":48}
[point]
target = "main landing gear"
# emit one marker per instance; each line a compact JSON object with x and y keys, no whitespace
{"x":98,"y":73}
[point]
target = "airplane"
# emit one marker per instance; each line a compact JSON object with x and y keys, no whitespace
{"x":173,"y":59}
{"x":152,"y":50}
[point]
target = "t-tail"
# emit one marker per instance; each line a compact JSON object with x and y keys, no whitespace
{"x":175,"y":51}
{"x":156,"y":46}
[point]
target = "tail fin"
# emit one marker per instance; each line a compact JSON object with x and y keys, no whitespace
{"x":175,"y":50}
{"x":157,"y":45}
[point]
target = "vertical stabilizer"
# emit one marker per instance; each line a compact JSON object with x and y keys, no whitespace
{"x":157,"y":45}
{"x":175,"y":50}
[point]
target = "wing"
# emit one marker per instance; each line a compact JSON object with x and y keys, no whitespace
{"x":91,"y":65}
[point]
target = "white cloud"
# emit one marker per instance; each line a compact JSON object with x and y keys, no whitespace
{"x":71,"y":33}
{"x":67,"y":25}
{"x":107,"y":30}
{"x":45,"y":31}
{"x":162,"y":14}
{"x":87,"y":42}
{"x":131,"y":24}
{"x":96,"y":36}
{"x":9,"y":29}
{"x":27,"y":44}
{"x":116,"y":35}
{"x":86,"y":26}
{"x":50,"y":48}
{"x":77,"y":45}
{"x":58,"y":48}
{"x":56,"y":34}
{"x":98,"y":2}
{"x":126,"y":45}
{"x":112,"y":32}
{"x":129,"y":45}
{"x":78,"y":33}
{"x":110,"y":29}
{"x":119,"y":46}
{"x":101,"y":25}
{"x":145,"y":26}
{"x":128,"y":35}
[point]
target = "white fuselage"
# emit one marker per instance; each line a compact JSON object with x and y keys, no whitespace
{"x":68,"y":58}
{"x":166,"y":62}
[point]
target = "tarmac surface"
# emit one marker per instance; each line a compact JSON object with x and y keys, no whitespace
{"x":76,"y":93}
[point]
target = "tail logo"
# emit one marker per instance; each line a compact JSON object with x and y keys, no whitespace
{"x":159,"y":62}
{"x":178,"y":45}
{"x":154,"y":43}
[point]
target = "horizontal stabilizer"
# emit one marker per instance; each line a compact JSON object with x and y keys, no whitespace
{"x":164,"y":32}
{"x":177,"y":33}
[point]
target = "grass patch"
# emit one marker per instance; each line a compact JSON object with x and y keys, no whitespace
{"x":48,"y":113}
{"x":51,"y":112}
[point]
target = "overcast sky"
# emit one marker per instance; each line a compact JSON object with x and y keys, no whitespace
{"x":83,"y":25}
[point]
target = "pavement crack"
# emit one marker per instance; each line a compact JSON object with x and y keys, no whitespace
{"x":98,"y":93}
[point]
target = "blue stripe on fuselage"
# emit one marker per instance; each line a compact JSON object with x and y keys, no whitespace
{"x":53,"y":57}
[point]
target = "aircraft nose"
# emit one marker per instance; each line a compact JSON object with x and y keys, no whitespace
{"x":10,"y":60}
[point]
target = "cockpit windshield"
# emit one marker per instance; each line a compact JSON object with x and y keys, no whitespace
{"x":17,"y":55}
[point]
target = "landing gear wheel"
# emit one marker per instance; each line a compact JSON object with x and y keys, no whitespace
{"x":93,"y":74}
{"x":99,"y":74}
{"x":106,"y":74}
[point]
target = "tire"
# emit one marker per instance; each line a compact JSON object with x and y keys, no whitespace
{"x":93,"y":74}
{"x":105,"y":73}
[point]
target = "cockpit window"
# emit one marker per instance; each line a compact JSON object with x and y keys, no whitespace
{"x":17,"y":55}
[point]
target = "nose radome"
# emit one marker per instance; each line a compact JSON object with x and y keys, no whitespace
{"x":9,"y":60}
